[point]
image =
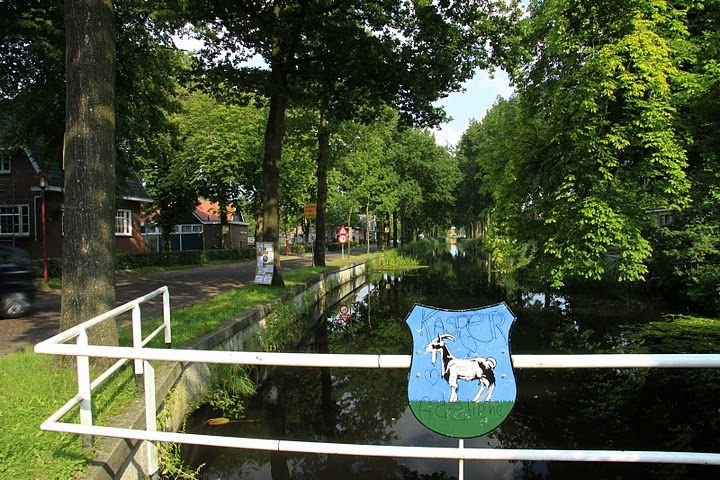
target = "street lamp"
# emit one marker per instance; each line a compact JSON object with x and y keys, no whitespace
{"x":43,"y":184}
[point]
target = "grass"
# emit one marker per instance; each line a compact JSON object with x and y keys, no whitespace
{"x":33,"y":386}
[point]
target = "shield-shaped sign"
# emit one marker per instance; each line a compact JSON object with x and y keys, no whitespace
{"x":461,"y":379}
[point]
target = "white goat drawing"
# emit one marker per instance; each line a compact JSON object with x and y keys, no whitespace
{"x":452,"y":368}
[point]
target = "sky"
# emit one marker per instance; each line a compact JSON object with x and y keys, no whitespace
{"x":478,"y":95}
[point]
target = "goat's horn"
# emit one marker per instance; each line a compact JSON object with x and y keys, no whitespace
{"x":446,"y":335}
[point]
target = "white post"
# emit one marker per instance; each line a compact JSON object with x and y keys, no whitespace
{"x":150,"y":417}
{"x":461,"y":462}
{"x":84,"y":389}
{"x":137,"y":336}
{"x":166,"y":315}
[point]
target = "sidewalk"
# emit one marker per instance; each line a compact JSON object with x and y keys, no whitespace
{"x":187,"y":286}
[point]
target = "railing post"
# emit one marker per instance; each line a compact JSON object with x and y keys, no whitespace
{"x":461,"y":462}
{"x":84,"y":390}
{"x":150,"y":417}
{"x":166,"y":315}
{"x":137,"y":336}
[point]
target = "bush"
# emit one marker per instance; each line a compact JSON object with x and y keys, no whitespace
{"x":299,"y":248}
{"x":242,"y":253}
{"x":129,"y":261}
{"x":336,"y":247}
{"x":54,"y":267}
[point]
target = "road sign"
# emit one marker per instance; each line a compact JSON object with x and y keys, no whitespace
{"x":342,"y":238}
{"x":311,"y":210}
{"x":461,"y":381}
{"x":342,"y":230}
{"x":344,"y":313}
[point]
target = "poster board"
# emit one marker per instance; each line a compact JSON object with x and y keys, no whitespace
{"x":265,"y":263}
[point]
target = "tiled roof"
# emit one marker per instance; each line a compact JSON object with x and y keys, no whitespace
{"x":209,"y":212}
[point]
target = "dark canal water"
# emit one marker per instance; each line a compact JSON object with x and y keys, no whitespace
{"x":624,"y":409}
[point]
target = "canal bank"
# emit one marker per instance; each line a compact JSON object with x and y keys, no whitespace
{"x":183,"y":385}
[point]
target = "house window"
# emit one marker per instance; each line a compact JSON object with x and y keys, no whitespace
{"x":5,"y":162}
{"x":15,"y":220}
{"x":150,"y":229}
{"x":188,"y":229}
{"x":664,"y":219}
{"x":123,"y":223}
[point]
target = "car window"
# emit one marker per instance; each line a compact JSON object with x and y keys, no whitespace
{"x":13,"y":256}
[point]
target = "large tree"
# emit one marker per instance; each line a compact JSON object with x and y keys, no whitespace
{"x":220,"y":147}
{"x":89,"y":160}
{"x":590,"y":145}
{"x":416,"y":52}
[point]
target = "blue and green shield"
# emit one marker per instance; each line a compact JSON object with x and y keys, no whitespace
{"x":461,"y":379}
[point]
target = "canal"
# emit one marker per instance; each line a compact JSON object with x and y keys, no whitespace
{"x":623,"y":409}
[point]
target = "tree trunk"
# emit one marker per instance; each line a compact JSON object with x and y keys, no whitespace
{"x":272,"y":162}
{"x":381,"y":233}
{"x":395,"y":229}
{"x":224,"y":226}
{"x":89,"y":163}
{"x":367,"y":226}
{"x":258,"y":223}
{"x":322,"y":167}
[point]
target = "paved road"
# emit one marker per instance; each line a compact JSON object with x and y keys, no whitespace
{"x":187,"y":286}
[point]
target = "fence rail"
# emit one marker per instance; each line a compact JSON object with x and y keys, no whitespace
{"x":143,"y":357}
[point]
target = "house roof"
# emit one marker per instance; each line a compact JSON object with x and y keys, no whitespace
{"x":209,"y":212}
{"x":133,"y":189}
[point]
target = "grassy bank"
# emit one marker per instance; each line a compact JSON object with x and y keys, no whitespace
{"x":33,"y":386}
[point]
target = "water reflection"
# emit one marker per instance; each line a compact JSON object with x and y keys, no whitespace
{"x":567,"y":409}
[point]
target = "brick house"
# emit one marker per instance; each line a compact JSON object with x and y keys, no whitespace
{"x":21,"y":204}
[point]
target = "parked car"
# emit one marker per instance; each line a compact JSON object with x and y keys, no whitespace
{"x":16,"y":282}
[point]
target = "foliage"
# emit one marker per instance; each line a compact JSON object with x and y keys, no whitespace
{"x":172,"y":466}
{"x":32,"y":70}
{"x":233,"y":387}
{"x":32,"y":78}
{"x":687,"y":263}
{"x":54,"y":266}
{"x":281,"y":327}
{"x":589,"y":144}
{"x":385,"y":169}
{"x":427,"y":178}
{"x":681,"y":334}
{"x":297,"y":178}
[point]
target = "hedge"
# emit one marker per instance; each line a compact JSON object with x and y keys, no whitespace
{"x":336,"y":247}
{"x":129,"y":261}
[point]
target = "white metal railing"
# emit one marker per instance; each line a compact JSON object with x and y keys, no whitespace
{"x":79,"y":333}
{"x":143,"y":357}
